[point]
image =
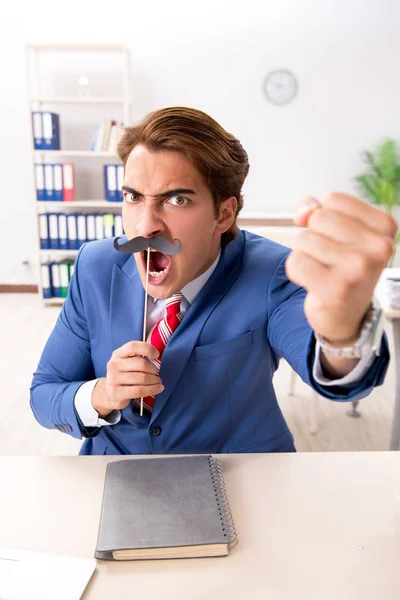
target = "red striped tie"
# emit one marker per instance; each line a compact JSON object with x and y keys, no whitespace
{"x":161,"y":333}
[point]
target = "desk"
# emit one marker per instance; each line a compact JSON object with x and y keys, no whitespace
{"x":310,"y":526}
{"x":393,"y":316}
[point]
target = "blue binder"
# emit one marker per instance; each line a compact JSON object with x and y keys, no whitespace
{"x":44,"y":232}
{"x":37,"y":130}
{"x":55,"y":279}
{"x":62,"y":232}
{"x":81,"y":227}
{"x":46,"y":280}
{"x":48,"y":182}
{"x":51,"y":131}
{"x":53,"y":231}
{"x":110,"y":183}
{"x":120,"y":181}
{"x":72,"y":232}
{"x":90,"y":227}
{"x":39,"y":181}
{"x":57,"y":183}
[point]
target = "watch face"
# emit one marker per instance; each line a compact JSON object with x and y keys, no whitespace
{"x":280,"y":86}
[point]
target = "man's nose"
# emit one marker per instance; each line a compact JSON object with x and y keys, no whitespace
{"x":149,"y":223}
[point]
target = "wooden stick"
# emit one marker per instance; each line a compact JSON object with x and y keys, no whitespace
{"x":145,"y":313}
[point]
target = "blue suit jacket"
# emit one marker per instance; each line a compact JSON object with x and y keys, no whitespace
{"x":217,"y":367}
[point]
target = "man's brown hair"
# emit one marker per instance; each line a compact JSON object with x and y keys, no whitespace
{"x":215,"y":153}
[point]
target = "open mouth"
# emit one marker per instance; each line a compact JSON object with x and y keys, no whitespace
{"x":159,"y":265}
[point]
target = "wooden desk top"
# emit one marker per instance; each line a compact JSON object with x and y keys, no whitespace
{"x":310,"y":526}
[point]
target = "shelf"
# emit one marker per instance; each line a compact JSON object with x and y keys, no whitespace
{"x":78,"y":100}
{"x":62,"y":47}
{"x":60,"y":252}
{"x":86,"y":153}
{"x":53,"y":301}
{"x":79,"y":204}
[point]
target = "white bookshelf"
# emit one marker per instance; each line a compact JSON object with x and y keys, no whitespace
{"x":74,"y":153}
{"x":76,"y":204}
{"x":40,"y":101}
{"x":80,"y":100}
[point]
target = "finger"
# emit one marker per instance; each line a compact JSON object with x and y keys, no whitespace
{"x":373,"y":217}
{"x":136,"y":364}
{"x":135,"y":379}
{"x":304,"y":209}
{"x":138,"y":391}
{"x":136,"y":348}
{"x":335,"y":225}
{"x":374,"y":248}
{"x":310,"y":274}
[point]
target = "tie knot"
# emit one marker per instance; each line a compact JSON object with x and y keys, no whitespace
{"x":173,"y":304}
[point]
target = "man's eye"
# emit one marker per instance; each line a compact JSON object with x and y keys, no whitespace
{"x":179,"y":200}
{"x":129,"y":197}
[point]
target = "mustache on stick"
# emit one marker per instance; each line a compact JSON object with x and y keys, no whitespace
{"x":138,"y":244}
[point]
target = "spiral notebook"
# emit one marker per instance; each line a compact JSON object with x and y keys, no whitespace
{"x":165,"y":508}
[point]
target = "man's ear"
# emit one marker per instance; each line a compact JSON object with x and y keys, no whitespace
{"x":227,"y":212}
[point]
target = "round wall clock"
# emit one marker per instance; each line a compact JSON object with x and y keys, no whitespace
{"x":280,"y":86}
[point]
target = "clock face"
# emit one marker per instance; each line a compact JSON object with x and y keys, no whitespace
{"x":280,"y":86}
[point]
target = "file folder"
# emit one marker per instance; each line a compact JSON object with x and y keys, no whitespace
{"x":72,"y":230}
{"x":51,"y":131}
{"x":120,"y":181}
{"x":99,"y":227}
{"x":62,"y":232}
{"x":44,"y":232}
{"x":39,"y":179}
{"x":53,"y":231}
{"x":90,"y":227}
{"x":64,"y":279}
{"x":37,"y":129}
{"x":68,"y":182}
{"x":70,"y":270}
{"x":46,"y":280}
{"x":108,"y":222}
{"x":57,"y":183}
{"x":81,"y":228}
{"x":55,"y":279}
{"x":118,"y":228}
{"x":48,"y":182}
{"x":110,"y":179}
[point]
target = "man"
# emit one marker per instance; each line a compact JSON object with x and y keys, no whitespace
{"x":231,"y":302}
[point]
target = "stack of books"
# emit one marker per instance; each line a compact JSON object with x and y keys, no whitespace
{"x":107,"y":136}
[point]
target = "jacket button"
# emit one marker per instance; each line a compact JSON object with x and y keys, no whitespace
{"x":155,"y":431}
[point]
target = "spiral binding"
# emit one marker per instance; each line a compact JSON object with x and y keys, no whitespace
{"x":224,"y":509}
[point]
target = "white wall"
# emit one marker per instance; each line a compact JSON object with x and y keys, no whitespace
{"x":214,"y":56}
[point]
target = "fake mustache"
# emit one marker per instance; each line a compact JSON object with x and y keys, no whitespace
{"x":138,"y":244}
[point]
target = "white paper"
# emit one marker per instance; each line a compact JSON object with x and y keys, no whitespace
{"x":40,"y":576}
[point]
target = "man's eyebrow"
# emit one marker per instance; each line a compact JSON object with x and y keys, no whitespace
{"x":166,"y":194}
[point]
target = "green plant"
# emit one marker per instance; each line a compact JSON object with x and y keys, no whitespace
{"x":380,"y":184}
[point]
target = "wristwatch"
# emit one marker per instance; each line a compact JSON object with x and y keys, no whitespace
{"x":369,"y":339}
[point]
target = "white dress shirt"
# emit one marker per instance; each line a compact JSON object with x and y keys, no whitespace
{"x":155,"y":312}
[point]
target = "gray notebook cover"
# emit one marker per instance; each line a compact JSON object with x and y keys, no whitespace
{"x":163,"y":502}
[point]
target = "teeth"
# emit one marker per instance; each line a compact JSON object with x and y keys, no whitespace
{"x":157,"y":273}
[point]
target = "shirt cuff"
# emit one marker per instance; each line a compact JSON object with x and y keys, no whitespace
{"x":87,"y":414}
{"x":355,"y":375}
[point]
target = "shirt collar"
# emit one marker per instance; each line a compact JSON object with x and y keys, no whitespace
{"x":191,"y":289}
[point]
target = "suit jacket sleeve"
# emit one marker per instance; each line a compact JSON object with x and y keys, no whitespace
{"x":292,"y":338}
{"x":64,"y":366}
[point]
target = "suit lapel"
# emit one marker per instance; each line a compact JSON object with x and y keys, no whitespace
{"x":183,"y":340}
{"x":126,"y":304}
